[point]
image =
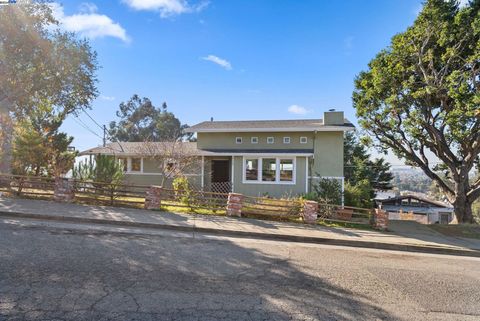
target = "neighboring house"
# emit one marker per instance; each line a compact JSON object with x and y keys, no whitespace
{"x":268,"y":157}
{"x":417,"y":208}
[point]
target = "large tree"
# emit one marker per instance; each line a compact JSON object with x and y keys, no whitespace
{"x":39,"y":62}
{"x":421,"y":95}
{"x":141,"y":121}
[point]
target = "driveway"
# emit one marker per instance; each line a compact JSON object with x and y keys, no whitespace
{"x":414,"y":230}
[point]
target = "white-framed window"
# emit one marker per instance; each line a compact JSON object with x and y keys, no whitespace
{"x":303,"y":140}
{"x":270,"y":140}
{"x":269,"y":170}
{"x":251,"y":169}
{"x":135,"y":164}
{"x":286,"y":140}
{"x":238,"y":140}
{"x":124,"y":162}
{"x":254,"y":140}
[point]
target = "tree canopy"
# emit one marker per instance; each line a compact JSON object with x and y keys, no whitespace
{"x":39,"y":63}
{"x":363,"y":175}
{"x":420,"y":95}
{"x":141,"y":121}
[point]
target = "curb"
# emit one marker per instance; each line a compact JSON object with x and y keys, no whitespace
{"x":254,"y":235}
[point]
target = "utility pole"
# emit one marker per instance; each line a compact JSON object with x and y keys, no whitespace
{"x":104,"y":135}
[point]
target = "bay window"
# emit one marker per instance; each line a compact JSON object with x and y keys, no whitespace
{"x":269,"y":170}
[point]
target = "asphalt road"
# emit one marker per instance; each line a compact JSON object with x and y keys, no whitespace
{"x":54,"y":273}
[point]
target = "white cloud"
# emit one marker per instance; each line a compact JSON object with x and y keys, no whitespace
{"x":88,"y":23}
{"x":219,"y":61}
{"x":298,"y":110}
{"x":108,"y":98}
{"x":166,"y":7}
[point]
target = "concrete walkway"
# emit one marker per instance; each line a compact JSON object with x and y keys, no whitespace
{"x":404,"y":239}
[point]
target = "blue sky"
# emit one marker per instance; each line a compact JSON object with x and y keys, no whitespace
{"x":247,"y":59}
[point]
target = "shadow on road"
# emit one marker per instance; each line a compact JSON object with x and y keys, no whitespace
{"x":48,"y":273}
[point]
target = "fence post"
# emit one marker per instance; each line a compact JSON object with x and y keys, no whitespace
{"x":310,"y":212}
{"x":380,"y":219}
{"x":64,"y":190}
{"x":153,"y":198}
{"x":234,"y":204}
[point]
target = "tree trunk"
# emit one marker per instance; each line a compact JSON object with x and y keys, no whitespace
{"x":462,"y":206}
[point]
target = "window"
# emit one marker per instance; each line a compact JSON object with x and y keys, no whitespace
{"x":269,"y":169}
{"x":286,"y":170}
{"x":238,"y":140}
{"x":136,"y":165}
{"x":124,"y":163}
{"x":254,"y":140}
{"x":303,"y":140}
{"x":251,"y":169}
{"x":270,"y":140}
{"x":286,"y":140}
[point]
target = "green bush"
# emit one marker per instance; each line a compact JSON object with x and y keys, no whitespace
{"x":328,"y":191}
{"x":358,"y":195}
{"x":182,"y":190}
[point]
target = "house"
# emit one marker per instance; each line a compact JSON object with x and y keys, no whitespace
{"x":416,"y":208}
{"x":264,"y":157}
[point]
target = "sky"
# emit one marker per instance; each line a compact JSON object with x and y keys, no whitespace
{"x":230,"y":60}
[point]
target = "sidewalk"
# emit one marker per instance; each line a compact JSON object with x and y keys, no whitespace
{"x":235,"y":227}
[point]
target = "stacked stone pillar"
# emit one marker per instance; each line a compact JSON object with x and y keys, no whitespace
{"x":64,"y":190}
{"x":310,"y":212}
{"x":153,"y":198}
{"x":234,"y":204}
{"x":380,"y":219}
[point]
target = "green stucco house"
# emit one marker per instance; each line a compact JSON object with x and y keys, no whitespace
{"x":268,"y":157}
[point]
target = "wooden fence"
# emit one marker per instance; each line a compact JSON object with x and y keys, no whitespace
{"x":129,"y":195}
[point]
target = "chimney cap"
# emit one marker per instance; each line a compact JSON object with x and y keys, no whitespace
{"x":332,"y":109}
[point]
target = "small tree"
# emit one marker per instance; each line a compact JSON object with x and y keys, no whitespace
{"x":173,"y":158}
{"x":105,"y":173}
{"x":328,"y":191}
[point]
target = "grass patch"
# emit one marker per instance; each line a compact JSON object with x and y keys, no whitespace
{"x":471,"y":231}
{"x":360,"y":226}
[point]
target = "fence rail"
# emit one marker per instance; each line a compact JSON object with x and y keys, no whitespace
{"x":129,"y":195}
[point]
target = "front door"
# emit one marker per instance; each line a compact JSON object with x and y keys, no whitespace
{"x":221,"y":176}
{"x":220,"y":171}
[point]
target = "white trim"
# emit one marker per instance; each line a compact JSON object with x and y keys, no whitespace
{"x":278,"y":129}
{"x":343,"y":191}
{"x":237,"y":138}
{"x":306,"y":175}
{"x":303,"y":137}
{"x":203,"y":172}
{"x":129,"y":165}
{"x":233,"y":174}
{"x":287,"y":138}
{"x":273,"y":140}
{"x":252,"y":138}
{"x":277,"y":171}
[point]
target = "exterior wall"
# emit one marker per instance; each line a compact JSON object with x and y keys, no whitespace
{"x":328,"y":155}
{"x":274,"y":190}
{"x":146,"y":179}
{"x":227,"y":140}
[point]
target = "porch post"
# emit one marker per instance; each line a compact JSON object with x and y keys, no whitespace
{"x":233,"y":174}
{"x":203,"y":172}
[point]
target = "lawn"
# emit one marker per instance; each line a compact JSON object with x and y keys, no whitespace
{"x":471,"y":231}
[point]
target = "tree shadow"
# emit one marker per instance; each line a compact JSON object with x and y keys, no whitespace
{"x":54,"y":273}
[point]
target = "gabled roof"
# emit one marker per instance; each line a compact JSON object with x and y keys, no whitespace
{"x":129,"y":149}
{"x":293,"y":125}
{"x":428,"y":201}
{"x":138,"y":148}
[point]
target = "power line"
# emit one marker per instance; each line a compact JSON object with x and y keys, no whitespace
{"x":100,"y":126}
{"x":82,"y":124}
